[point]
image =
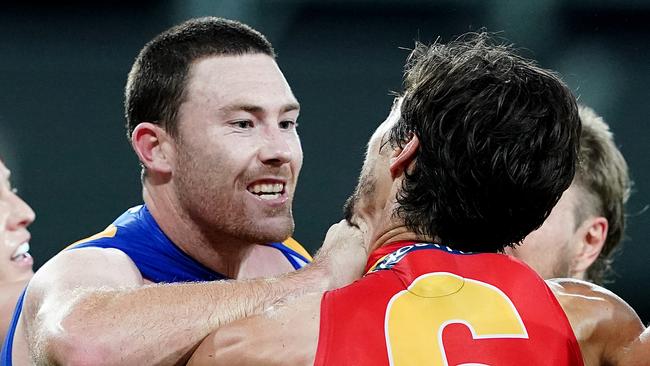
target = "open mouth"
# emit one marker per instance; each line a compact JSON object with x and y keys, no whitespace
{"x":267,"y":191}
{"x":22,"y":252}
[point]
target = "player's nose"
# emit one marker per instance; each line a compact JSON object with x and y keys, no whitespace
{"x":21,"y":214}
{"x":276,"y":149}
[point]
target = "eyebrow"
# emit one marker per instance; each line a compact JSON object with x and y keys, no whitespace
{"x":255,"y":109}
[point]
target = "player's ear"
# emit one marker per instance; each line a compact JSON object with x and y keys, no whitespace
{"x":153,"y":146}
{"x":402,"y":158}
{"x":592,"y":233}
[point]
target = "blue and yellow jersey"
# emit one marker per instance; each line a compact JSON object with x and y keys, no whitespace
{"x":137,"y":234}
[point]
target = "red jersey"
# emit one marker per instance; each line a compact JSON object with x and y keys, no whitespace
{"x":425,"y":304}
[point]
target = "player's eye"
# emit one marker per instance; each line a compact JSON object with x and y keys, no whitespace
{"x":288,"y":124}
{"x":243,"y":124}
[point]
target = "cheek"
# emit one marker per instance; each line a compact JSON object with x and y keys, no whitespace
{"x":536,"y":245}
{"x":227,"y":153}
{"x":296,"y":155}
{"x":547,"y":243}
{"x":4,"y":250}
{"x":557,"y":228}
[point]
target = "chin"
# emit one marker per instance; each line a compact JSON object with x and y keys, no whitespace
{"x":276,"y":236}
{"x":274,"y":230}
{"x":18,"y":275}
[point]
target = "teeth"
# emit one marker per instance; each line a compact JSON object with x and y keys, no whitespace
{"x":270,"y":196}
{"x":271,"y":189}
{"x":21,"y":250}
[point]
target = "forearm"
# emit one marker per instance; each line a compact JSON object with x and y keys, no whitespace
{"x":248,"y":342}
{"x":161,"y":324}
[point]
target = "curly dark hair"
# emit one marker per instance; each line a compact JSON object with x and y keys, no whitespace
{"x":156,"y":85}
{"x":498,"y":143}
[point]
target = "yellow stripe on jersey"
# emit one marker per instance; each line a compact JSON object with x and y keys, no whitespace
{"x":292,"y":244}
{"x":109,"y":232}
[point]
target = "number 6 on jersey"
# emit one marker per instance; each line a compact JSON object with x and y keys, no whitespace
{"x":416,"y":318}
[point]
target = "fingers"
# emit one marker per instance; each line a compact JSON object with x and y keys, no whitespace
{"x":343,"y":232}
{"x":343,"y":254}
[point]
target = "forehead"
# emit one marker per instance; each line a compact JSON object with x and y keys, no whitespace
{"x":250,"y":78}
{"x":390,"y":121}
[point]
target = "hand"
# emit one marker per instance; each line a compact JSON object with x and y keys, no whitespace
{"x":343,"y":254}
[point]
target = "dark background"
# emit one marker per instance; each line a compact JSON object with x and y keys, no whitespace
{"x":63,"y":68}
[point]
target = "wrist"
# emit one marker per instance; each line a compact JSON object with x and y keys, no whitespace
{"x":316,"y":277}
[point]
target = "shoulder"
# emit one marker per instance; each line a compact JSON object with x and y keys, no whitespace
{"x":604,"y":324}
{"x":587,"y":299}
{"x":85,"y":264}
{"x":80,"y":269}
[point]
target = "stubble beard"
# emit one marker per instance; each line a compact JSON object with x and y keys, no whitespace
{"x":364,"y":190}
{"x":562,"y":268}
{"x":216,"y":214}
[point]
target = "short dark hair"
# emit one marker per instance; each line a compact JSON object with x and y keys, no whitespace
{"x":603,"y":184}
{"x":156,"y":84}
{"x":498,"y":143}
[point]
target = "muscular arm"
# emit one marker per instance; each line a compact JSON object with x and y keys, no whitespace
{"x":287,"y":333}
{"x":608,"y":329}
{"x":9,"y":293}
{"x":284,"y":335}
{"x":103,"y":312}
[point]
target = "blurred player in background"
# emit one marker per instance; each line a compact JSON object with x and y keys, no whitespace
{"x":587,"y":225}
{"x":15,"y":261}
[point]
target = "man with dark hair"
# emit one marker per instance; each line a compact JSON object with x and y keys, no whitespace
{"x":587,"y":225}
{"x":213,"y":122}
{"x":15,"y":261}
{"x":472,"y":157}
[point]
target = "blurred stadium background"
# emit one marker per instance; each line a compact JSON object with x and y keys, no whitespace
{"x":63,"y":68}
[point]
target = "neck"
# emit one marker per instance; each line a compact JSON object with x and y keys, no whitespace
{"x":391,"y":235}
{"x":383,"y":227}
{"x":217,"y":251}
